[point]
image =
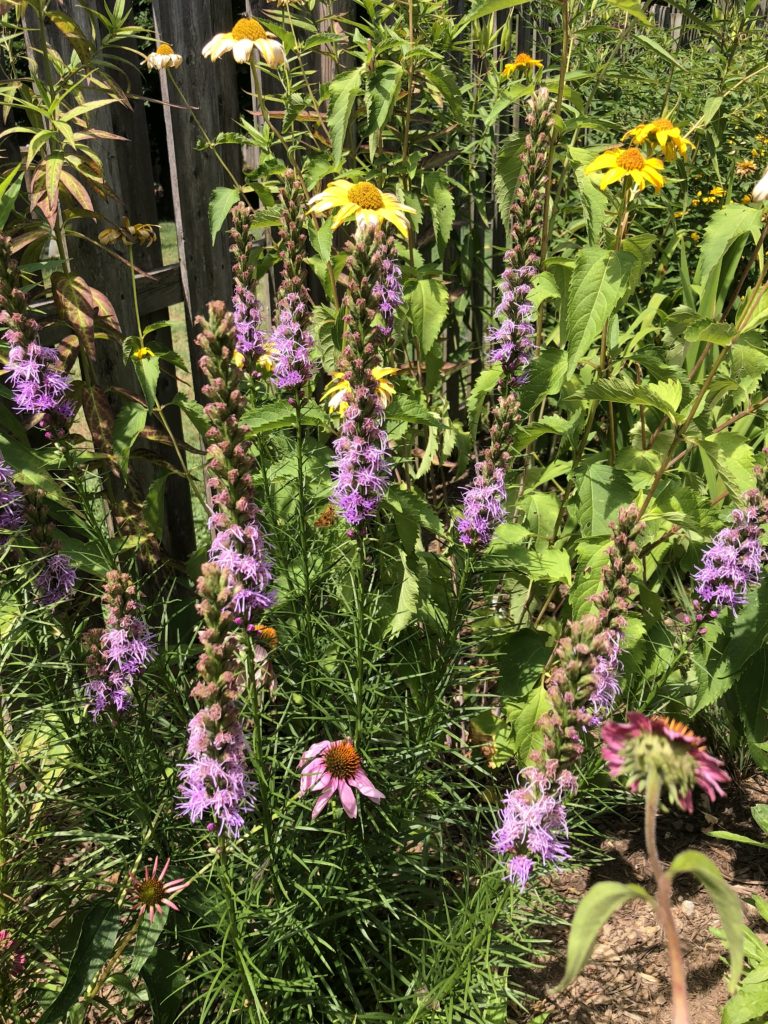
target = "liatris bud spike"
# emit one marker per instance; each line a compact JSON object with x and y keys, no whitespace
{"x":360,"y":389}
{"x":246,"y":309}
{"x":291,"y":341}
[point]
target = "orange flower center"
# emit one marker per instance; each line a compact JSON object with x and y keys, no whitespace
{"x":149,"y":891}
{"x":342,"y":760}
{"x":662,"y":124}
{"x":675,"y":726}
{"x":523,"y":58}
{"x":265,"y":635}
{"x":164,"y":50}
{"x":631,"y":160}
{"x":248,"y":28}
{"x":366,"y":196}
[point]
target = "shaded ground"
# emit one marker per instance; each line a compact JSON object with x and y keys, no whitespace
{"x":626,"y":981}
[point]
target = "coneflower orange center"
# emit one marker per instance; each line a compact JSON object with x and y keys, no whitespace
{"x":366,"y":196}
{"x":631,"y":160}
{"x":671,"y":723}
{"x":662,"y":124}
{"x":248,"y":28}
{"x":523,"y":58}
{"x":149,"y":891}
{"x":164,"y":50}
{"x":342,"y":760}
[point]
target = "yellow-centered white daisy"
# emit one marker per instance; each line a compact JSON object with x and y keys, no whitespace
{"x":363,"y":201}
{"x":246,"y":36}
{"x":163,"y":57}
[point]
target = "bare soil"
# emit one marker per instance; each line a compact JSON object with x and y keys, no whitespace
{"x":626,"y":980}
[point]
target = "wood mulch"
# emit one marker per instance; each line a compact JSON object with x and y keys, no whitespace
{"x":626,"y":980}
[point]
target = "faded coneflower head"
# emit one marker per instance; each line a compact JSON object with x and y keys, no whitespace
{"x":163,"y":57}
{"x":152,"y":893}
{"x":246,"y":36}
{"x":335,"y":767}
{"x":291,"y":340}
{"x":641,"y":746}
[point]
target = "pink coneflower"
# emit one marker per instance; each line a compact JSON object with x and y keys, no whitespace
{"x":151,"y":893}
{"x":335,"y":767}
{"x":661,"y":745}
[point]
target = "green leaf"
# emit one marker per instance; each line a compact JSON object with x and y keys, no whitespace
{"x":483,"y":8}
{"x":427,"y":304}
{"x":664,"y":395}
{"x":527,"y":731}
{"x":343,"y":91}
{"x":407,"y":598}
{"x":221,"y":202}
{"x":725,"y":900}
{"x":146,"y":941}
{"x":508,"y":164}
{"x":733,"y":459}
{"x":760,"y":814}
{"x":508,"y":551}
{"x":598,"y":283}
{"x":129,"y":423}
{"x":651,"y":44}
{"x":602,"y":491}
{"x":30,"y":467}
{"x":382,"y":87}
{"x":164,"y":977}
{"x":632,"y":7}
{"x":728,"y":230}
{"x":95,"y":945}
{"x":595,"y":908}
{"x":412,"y":409}
{"x":750,"y":1004}
{"x":595,"y":205}
{"x":442,"y":208}
{"x":483,"y":386}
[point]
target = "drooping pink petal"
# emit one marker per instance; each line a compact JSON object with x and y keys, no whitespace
{"x":348,"y":799}
{"x":366,"y":787}
{"x":309,"y":776}
{"x":324,"y":797}
{"x":313,"y":751}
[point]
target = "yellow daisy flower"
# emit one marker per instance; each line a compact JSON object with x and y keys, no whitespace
{"x":339,"y":392}
{"x":627,"y":163}
{"x":695,"y":236}
{"x":717,"y":191}
{"x":163,"y":57}
{"x":363,"y":201}
{"x":745,"y":167}
{"x":142,"y":352}
{"x":664,"y":134}
{"x":246,"y":35}
{"x":522,"y":60}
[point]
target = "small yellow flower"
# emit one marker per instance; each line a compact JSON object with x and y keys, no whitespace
{"x":717,"y":191}
{"x":662,"y":133}
{"x":266,"y":360}
{"x":627,"y":163}
{"x":746,"y":199}
{"x":709,"y":199}
{"x":163,"y":57}
{"x":695,"y":236}
{"x":695,"y":202}
{"x":338,"y":394}
{"x":142,"y":353}
{"x":745,"y":167}
{"x":678,"y":214}
{"x":522,"y":60}
{"x":363,"y":201}
{"x":247,"y":34}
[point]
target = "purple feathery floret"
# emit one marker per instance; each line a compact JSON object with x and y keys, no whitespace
{"x":291,"y":344}
{"x":533,"y":824}
{"x":218,"y":786}
{"x":246,"y":316}
{"x":239,"y":552}
{"x":362,"y":466}
{"x":388,"y":292}
{"x":11,"y":502}
{"x":56,"y":580}
{"x":733,"y":563}
{"x":513,"y":341}
{"x":605,"y":676}
{"x":483,"y":508}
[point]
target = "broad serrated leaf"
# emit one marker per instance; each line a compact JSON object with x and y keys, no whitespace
{"x":427,"y":305}
{"x":598,"y":283}
{"x":221,"y":202}
{"x":343,"y":91}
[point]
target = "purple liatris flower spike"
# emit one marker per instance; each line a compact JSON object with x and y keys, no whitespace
{"x":484,"y":504}
{"x":290,"y":344}
{"x":56,"y":580}
{"x":388,"y":290}
{"x":733,"y":563}
{"x":119,"y":653}
{"x":513,"y":341}
{"x":533,"y":825}
{"x":12,"y":516}
{"x":360,"y":390}
{"x":39,"y":382}
{"x":246,"y":308}
{"x":234,"y":588}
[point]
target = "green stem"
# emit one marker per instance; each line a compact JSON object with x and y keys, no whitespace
{"x":359,"y":639}
{"x":307,"y":587}
{"x":664,"y":903}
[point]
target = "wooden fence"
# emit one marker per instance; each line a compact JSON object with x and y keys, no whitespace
{"x":203,"y":269}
